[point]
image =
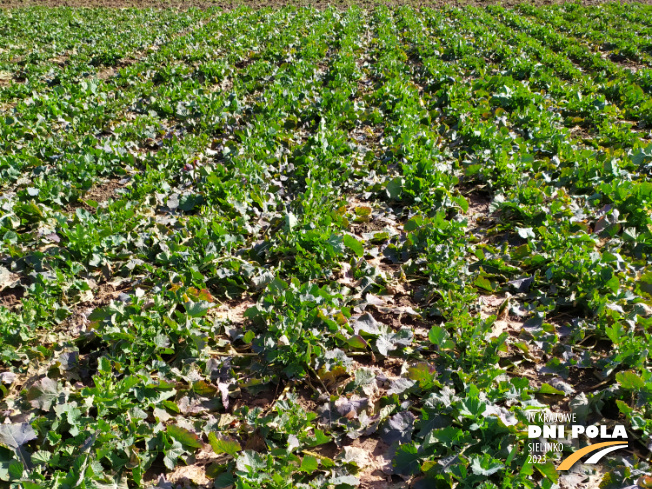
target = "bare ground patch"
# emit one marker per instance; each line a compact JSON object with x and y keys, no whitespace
{"x":102,"y":192}
{"x":10,"y":298}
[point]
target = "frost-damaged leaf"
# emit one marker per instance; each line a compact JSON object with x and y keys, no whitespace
{"x":399,"y":386}
{"x":573,"y":480}
{"x":389,"y":342}
{"x":17,"y":434}
{"x":485,"y":465}
{"x":344,"y":479}
{"x":398,"y":428}
{"x":525,"y":233}
{"x":445,"y":464}
{"x":424,"y":373}
{"x":521,"y":284}
{"x":8,"y":279}
{"x":172,"y":454}
{"x":251,"y":461}
{"x":7,"y":378}
{"x":364,"y":378}
{"x":644,"y":482}
{"x":184,"y":436}
{"x":290,"y":221}
{"x":367,"y":324}
{"x":504,"y":414}
{"x":349,"y":408}
{"x":223,"y":445}
{"x":173,"y":201}
{"x":354,"y":455}
{"x":224,"y":391}
{"x":43,"y":394}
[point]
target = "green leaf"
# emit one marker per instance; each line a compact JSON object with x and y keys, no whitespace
{"x":548,"y":389}
{"x":223,"y":445}
{"x":224,"y":481}
{"x":413,"y":224}
{"x":644,"y":284}
{"x":395,"y":188}
{"x":41,"y":457}
{"x":447,"y":437}
{"x":357,"y":342}
{"x":184,"y":436}
{"x":204,"y":389}
{"x":309,"y":464}
{"x":249,"y":337}
{"x":406,"y":460}
{"x":171,"y":405}
{"x":15,"y":469}
{"x":630,"y":380}
{"x":512,"y":454}
{"x":548,"y":470}
{"x":462,"y":202}
{"x":623,"y":407}
{"x":190,"y":201}
{"x":354,"y":245}
{"x":484,"y":282}
{"x":437,"y":335}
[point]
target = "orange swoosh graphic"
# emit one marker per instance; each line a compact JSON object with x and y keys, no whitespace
{"x":569,"y":461}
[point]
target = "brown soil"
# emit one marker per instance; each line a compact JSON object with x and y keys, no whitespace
{"x":263,"y":400}
{"x":377,"y":466}
{"x":583,"y":380}
{"x":110,"y":71}
{"x":78,"y":320}
{"x":10,"y":298}
{"x":628,"y":64}
{"x":103,"y":192}
{"x":232,"y":4}
{"x":100,"y":193}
